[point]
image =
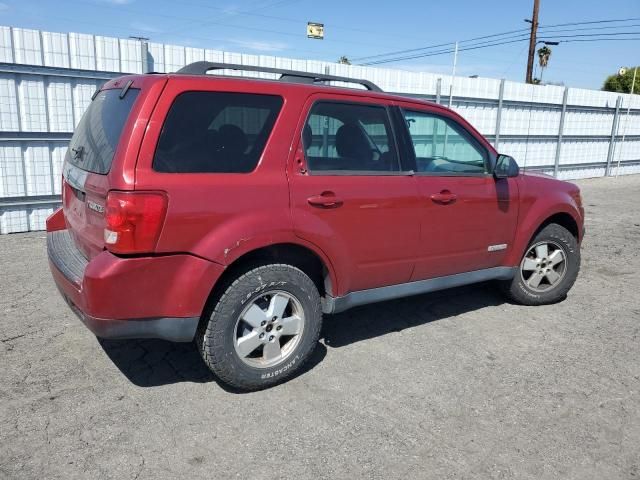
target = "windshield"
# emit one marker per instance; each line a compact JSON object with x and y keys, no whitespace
{"x":98,"y":133}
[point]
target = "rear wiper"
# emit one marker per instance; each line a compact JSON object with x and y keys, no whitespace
{"x":125,"y":89}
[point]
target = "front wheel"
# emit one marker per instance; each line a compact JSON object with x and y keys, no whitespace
{"x":548,"y":269}
{"x":263,"y":328}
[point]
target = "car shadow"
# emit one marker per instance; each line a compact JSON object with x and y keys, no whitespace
{"x":152,"y":363}
{"x":379,"y":319}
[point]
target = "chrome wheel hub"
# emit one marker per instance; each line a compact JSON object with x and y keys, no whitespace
{"x":269,"y":329}
{"x":543,"y":266}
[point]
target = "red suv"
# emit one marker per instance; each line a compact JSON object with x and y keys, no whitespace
{"x":236,"y":211}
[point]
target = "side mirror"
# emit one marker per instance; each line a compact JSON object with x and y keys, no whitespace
{"x":506,"y":167}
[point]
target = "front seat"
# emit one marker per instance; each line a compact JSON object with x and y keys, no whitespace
{"x":352,"y":145}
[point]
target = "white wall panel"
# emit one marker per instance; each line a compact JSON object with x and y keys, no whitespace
{"x":56,"y":49}
{"x":33,"y":112}
{"x":27,"y":47}
{"x":588,"y":122}
{"x":481,"y":115}
{"x":11,"y":170}
{"x":216,"y":56}
{"x":193,"y":55}
{"x":530,"y":153}
{"x":577,"y":173}
{"x":14,"y":221}
{"x":174,"y":58}
{"x":525,"y":120}
{"x":107,"y":54}
{"x":9,"y":121}
{"x":629,"y":124}
{"x":82,"y":51}
{"x":130,"y":56}
{"x":37,"y":217}
{"x":60,"y":103}
{"x":6,"y":52}
{"x":37,"y":164}
{"x":581,"y":151}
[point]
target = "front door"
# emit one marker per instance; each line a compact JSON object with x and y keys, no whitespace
{"x":349,"y":196}
{"x":468,"y":217}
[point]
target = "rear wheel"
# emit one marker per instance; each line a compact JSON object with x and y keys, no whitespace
{"x":548,"y":269}
{"x":263,"y":328}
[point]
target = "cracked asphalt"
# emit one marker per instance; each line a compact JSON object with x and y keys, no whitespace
{"x":455,"y":384}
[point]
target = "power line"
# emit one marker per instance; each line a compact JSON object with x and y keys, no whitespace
{"x":591,"y":28}
{"x":399,"y":52}
{"x":442,"y":52}
{"x":613,"y":34}
{"x":541,"y":27}
{"x":480,"y":45}
{"x":591,"y":22}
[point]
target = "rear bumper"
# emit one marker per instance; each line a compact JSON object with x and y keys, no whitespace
{"x":172,"y":329}
{"x":142,"y":297}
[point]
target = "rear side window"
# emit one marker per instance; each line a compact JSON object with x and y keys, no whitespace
{"x":349,"y":137}
{"x":97,"y":135}
{"x":215,"y":132}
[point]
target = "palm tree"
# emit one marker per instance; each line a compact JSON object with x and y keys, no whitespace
{"x":544,"y":54}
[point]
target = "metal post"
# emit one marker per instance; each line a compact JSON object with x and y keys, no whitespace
{"x":144,"y":46}
{"x":612,"y":142}
{"x":51,"y":169}
{"x":438,"y":90}
{"x":120,"y":56}
{"x":13,"y":47}
{"x":626,"y":124}
{"x":556,"y":165}
{"x":95,"y":52}
{"x":453,"y":74}
{"x":69,"y":56}
{"x":42,"y":57}
{"x":499,"y":114}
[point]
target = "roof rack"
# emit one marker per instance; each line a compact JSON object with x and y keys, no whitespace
{"x":201,"y":68}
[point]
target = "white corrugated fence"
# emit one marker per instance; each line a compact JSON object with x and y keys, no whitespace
{"x":47,"y":80}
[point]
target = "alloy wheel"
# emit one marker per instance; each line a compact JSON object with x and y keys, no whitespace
{"x":269,"y":329}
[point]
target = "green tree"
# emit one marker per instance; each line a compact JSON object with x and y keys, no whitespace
{"x":344,"y":60}
{"x":622,"y":83}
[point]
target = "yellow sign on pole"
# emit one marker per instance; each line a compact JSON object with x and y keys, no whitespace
{"x":315,"y":30}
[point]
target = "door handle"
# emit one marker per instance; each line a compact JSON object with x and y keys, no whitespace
{"x":445,"y":197}
{"x":325,"y":200}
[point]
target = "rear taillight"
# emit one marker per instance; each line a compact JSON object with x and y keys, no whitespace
{"x":134,"y":221}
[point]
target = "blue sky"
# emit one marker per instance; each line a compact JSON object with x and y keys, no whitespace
{"x":354,"y":28}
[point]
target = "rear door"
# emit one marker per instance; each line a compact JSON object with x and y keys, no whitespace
{"x":349,"y":195}
{"x":102,"y":154}
{"x":88,"y":162}
{"x":468,"y":217}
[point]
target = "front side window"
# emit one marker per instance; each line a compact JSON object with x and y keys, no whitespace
{"x":215,"y":132}
{"x":442,"y":146}
{"x":345,"y":137}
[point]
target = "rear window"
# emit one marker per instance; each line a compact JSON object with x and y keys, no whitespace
{"x":96,"y":137}
{"x":215,"y":132}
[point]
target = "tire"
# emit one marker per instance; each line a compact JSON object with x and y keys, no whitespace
{"x":535,"y":267}
{"x":253,"y":306}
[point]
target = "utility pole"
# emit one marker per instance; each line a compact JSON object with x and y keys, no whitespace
{"x":532,"y":40}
